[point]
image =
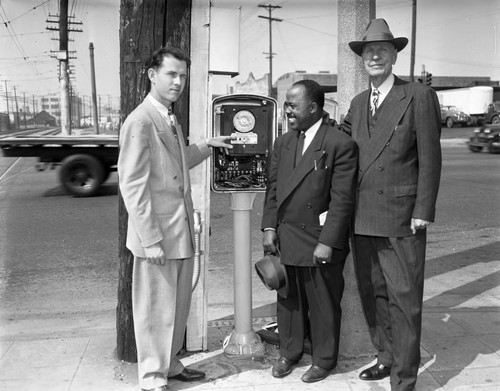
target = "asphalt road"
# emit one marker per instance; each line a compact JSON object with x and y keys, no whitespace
{"x":59,"y":256}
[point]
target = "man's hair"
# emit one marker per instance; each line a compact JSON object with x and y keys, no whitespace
{"x":157,"y":57}
{"x":313,"y":91}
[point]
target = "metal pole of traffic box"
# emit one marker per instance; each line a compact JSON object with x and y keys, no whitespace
{"x":243,"y":341}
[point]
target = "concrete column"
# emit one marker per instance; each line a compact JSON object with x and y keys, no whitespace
{"x":354,"y":16}
{"x":199,"y":128}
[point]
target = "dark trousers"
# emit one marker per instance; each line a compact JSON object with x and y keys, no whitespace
{"x":312,"y":308}
{"x":390,"y":274}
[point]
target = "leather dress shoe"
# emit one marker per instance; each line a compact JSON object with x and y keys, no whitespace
{"x":282,"y":367}
{"x":314,"y":374}
{"x":375,"y":372}
{"x":161,"y":388}
{"x":188,"y":374}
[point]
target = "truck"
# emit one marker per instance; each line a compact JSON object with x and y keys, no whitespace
{"x":85,"y":161}
{"x":473,"y":101}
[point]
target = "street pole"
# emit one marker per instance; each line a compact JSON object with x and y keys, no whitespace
{"x":63,"y":68}
{"x":94,"y":93}
{"x":270,"y":8}
{"x":16,"y":116}
{"x":243,"y":340}
{"x":413,"y":39}
{"x":24,"y":109}
{"x":7,"y":99}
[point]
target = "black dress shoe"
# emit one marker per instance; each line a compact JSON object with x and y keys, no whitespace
{"x":315,"y":373}
{"x":282,"y":367}
{"x":189,"y":375}
{"x":376,"y":372}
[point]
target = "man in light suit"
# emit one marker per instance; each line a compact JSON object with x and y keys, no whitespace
{"x":397,"y":126}
{"x":307,"y":213}
{"x":153,"y":169}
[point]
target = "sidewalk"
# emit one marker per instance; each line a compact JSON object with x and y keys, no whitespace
{"x":460,"y":342}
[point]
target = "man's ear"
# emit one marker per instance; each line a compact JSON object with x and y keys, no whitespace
{"x":151,"y":75}
{"x":314,"y":107}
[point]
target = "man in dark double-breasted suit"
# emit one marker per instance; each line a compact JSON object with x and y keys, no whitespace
{"x":306,"y":219}
{"x":397,"y":126}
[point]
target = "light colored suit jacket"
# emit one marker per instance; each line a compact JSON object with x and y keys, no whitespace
{"x":154,"y":182}
{"x":399,"y":159}
{"x":323,"y":181}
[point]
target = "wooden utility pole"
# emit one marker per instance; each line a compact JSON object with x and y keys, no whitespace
{"x":270,"y":9}
{"x":16,"y":117}
{"x":7,"y":99}
{"x":63,"y":67}
{"x":413,"y":38}
{"x":144,"y":27}
{"x":94,"y":91}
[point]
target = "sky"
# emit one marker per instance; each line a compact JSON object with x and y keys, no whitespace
{"x":454,"y":38}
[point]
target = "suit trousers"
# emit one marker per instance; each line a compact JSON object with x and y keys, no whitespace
{"x":161,"y":298}
{"x":312,"y":308}
{"x":390,"y":274}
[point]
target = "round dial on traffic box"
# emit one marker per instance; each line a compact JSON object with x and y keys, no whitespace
{"x":244,"y":121}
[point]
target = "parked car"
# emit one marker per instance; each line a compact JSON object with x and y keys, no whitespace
{"x":486,"y":136}
{"x":492,"y":116}
{"x":451,"y":115}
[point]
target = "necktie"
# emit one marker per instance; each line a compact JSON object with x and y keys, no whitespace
{"x":300,"y":147}
{"x":375,"y":94}
{"x":171,"y":116}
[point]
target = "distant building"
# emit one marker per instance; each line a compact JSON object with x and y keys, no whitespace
{"x":45,"y":119}
{"x":252,"y":86}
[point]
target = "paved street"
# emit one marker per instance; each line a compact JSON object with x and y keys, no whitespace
{"x":58,"y":281}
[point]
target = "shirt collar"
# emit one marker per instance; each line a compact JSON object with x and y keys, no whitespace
{"x":386,"y":86}
{"x":159,"y":106}
{"x":311,"y":132}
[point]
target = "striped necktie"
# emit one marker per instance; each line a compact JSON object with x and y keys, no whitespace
{"x":375,"y":95}
{"x":171,"y":116}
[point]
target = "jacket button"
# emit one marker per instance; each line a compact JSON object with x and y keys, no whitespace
{"x":174,"y":177}
{"x":181,"y":189}
{"x":309,"y":206}
{"x":387,"y":144}
{"x":302,"y":226}
{"x":380,"y":168}
{"x":380,"y":191}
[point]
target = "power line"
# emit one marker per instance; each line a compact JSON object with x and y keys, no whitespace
{"x":27,"y":12}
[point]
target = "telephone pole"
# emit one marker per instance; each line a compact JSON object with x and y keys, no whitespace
{"x":413,"y":38}
{"x":63,"y":57}
{"x":270,"y":9}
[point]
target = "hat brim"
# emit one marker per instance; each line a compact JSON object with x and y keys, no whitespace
{"x":277,"y":267}
{"x":399,"y":43}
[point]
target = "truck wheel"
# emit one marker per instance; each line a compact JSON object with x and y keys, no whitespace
{"x":473,"y":148}
{"x":495,"y":119}
{"x":81,"y":175}
{"x":449,"y":122}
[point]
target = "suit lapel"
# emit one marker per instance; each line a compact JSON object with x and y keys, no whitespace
{"x":392,"y":110}
{"x":313,"y":153}
{"x":164,"y":132}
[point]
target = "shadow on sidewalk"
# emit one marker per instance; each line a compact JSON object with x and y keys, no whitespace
{"x":460,"y":321}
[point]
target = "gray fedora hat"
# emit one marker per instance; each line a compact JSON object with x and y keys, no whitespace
{"x":378,"y":31}
{"x":273,"y":274}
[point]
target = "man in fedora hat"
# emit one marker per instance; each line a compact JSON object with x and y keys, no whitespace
{"x":307,"y":213}
{"x":397,"y":127}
